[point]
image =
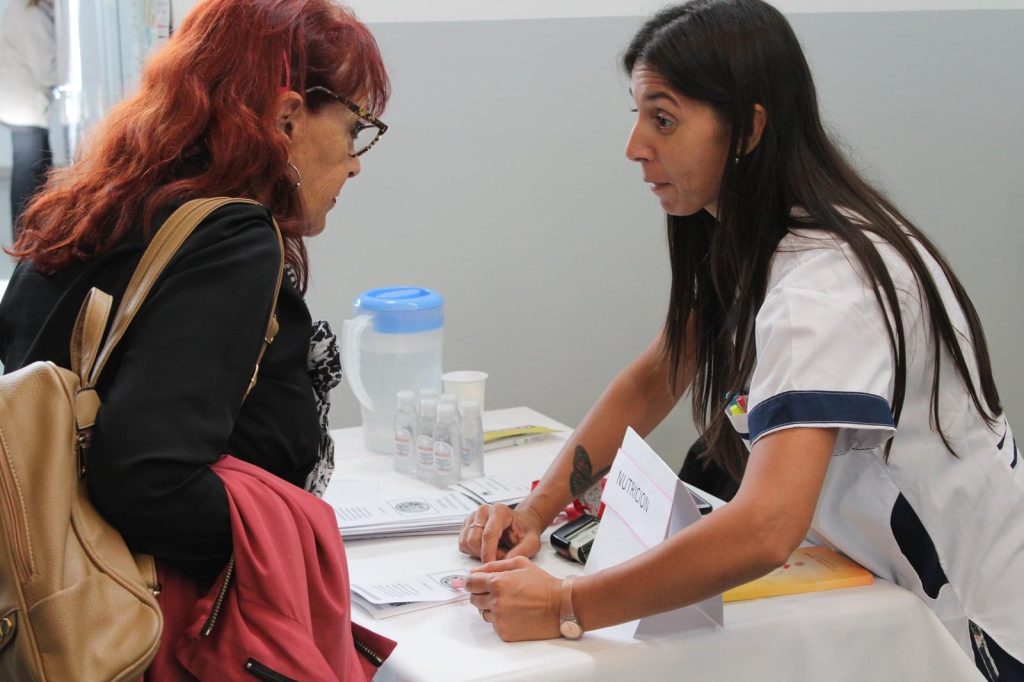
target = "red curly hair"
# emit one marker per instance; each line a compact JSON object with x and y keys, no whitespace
{"x":204,"y":123}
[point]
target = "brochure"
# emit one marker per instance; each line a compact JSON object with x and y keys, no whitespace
{"x":392,"y":597}
{"x":431,"y":514}
{"x":809,"y":569}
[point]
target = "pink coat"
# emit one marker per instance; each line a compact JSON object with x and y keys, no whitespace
{"x":287,"y":608}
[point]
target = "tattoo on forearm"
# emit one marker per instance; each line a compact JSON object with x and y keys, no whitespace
{"x":583,"y":477}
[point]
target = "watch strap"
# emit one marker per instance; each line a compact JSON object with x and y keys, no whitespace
{"x":568,"y":624}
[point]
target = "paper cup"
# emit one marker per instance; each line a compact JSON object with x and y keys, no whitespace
{"x":466,"y":385}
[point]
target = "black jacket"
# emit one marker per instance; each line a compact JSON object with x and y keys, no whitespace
{"x":172,"y":392}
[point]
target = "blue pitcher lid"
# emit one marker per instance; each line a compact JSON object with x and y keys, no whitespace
{"x":402,"y":310}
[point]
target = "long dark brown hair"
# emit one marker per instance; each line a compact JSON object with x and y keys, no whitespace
{"x":734,"y":54}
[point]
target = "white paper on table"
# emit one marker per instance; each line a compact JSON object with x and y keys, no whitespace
{"x":379,"y":611}
{"x":645,"y":502}
{"x":436,"y":586}
{"x":418,"y":592}
{"x":400,"y":510}
{"x":504,"y":488}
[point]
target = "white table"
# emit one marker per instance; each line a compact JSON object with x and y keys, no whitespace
{"x":876,"y":633}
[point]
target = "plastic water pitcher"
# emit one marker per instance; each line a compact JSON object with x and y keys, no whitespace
{"x":392,"y":343}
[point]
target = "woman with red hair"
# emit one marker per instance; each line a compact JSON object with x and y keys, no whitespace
{"x":270,"y":100}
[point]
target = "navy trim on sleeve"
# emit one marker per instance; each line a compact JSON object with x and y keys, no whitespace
{"x":819,"y":407}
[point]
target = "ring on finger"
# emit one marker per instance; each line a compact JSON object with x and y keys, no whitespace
{"x":476,"y":525}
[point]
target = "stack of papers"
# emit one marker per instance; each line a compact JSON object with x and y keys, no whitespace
{"x":432,"y":514}
{"x":393,"y":597}
{"x":505,"y":488}
{"x":516,"y":435}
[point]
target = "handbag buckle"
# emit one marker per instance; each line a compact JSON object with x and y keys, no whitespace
{"x":8,"y":628}
{"x":84,"y":446}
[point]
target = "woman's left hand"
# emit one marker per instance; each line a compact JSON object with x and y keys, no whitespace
{"x":520,"y":599}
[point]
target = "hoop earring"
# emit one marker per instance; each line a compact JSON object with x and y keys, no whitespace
{"x":298,"y":176}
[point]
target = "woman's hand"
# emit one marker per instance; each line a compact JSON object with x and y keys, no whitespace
{"x":517,"y":597}
{"x":500,"y":532}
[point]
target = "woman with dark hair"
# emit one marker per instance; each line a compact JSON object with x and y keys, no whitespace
{"x":269,"y":100}
{"x":872,"y":414}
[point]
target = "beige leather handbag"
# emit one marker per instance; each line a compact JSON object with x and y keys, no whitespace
{"x":75,"y":604}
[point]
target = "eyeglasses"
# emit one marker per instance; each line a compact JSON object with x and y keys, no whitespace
{"x":367,"y":130}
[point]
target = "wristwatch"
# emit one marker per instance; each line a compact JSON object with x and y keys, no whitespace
{"x":568,"y":625}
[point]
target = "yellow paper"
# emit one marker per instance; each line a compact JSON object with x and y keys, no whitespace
{"x":809,"y":569}
{"x":516,"y":431}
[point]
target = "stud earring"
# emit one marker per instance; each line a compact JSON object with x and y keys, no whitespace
{"x":739,"y":153}
{"x":298,"y":177}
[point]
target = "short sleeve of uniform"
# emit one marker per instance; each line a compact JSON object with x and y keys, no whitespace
{"x":823,"y":356}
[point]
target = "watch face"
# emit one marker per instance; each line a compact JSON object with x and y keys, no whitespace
{"x":570,"y":629}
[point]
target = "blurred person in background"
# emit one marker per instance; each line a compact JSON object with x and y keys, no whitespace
{"x":28,"y":73}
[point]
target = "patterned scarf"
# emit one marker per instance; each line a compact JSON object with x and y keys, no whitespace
{"x":323,"y":363}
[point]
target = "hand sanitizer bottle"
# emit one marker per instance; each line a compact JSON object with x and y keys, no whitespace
{"x":405,"y":433}
{"x":425,"y":440}
{"x":427,"y":393}
{"x":448,"y":398}
{"x":447,"y":453}
{"x":472,"y":440}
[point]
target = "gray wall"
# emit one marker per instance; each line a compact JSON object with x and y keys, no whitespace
{"x":502,"y":183}
{"x":5,"y":134}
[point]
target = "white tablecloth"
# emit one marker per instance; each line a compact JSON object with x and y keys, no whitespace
{"x":878,"y":633}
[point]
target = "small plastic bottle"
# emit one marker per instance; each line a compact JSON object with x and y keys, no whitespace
{"x":449,"y":399}
{"x":424,"y":393}
{"x":405,"y":433}
{"x":425,"y":439}
{"x":447,"y":452}
{"x":472,"y":439}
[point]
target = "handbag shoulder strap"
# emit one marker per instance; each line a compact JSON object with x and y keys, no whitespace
{"x":158,"y":254}
{"x":87,"y":336}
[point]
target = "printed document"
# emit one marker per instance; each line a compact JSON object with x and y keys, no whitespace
{"x":441,"y":512}
{"x":392,"y":597}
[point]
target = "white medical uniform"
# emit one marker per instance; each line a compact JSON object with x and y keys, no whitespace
{"x":950,"y":529}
